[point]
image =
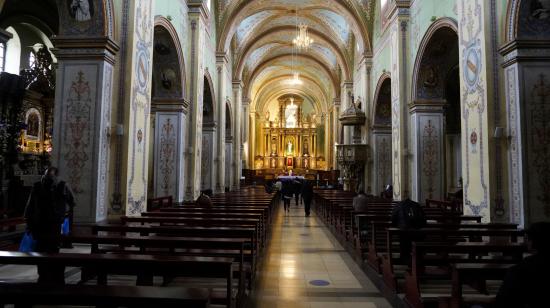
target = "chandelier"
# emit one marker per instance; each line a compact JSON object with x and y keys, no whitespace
{"x":302,"y":41}
{"x":295,"y":80}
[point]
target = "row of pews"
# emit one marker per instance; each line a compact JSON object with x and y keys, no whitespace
{"x":171,"y":252}
{"x":456,"y":260}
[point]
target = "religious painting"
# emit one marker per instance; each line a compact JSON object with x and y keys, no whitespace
{"x":81,"y":10}
{"x":33,"y":124}
{"x":289,"y":162}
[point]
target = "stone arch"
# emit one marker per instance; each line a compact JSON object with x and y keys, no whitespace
{"x":169,"y":76}
{"x":381,"y":164}
{"x":209,"y":97}
{"x":442,"y":26}
{"x":524,"y":21}
{"x":378,"y":94}
{"x":437,"y":161}
{"x":208,"y":133}
{"x":167,"y":109}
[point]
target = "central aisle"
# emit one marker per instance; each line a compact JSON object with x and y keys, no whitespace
{"x":306,"y":267}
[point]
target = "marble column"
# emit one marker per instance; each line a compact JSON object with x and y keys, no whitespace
{"x":198,"y":16}
{"x":137,"y":106}
{"x":475,"y":61}
{"x":169,"y":141}
{"x":427,"y":128}
{"x":527,"y":84}
{"x":399,"y":16}
{"x":237,"y":133}
{"x":252,"y":140}
{"x":245,"y":133}
{"x":82,"y":121}
{"x":221,"y":65}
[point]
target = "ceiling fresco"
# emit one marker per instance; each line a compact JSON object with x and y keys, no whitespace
{"x":260,"y":33}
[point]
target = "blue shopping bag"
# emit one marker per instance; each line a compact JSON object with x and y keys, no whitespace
{"x":28,"y":243}
{"x":65,"y":226}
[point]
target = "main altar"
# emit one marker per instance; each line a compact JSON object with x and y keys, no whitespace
{"x":289,"y":139}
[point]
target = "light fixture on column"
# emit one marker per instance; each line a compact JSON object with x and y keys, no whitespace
{"x":302,"y":40}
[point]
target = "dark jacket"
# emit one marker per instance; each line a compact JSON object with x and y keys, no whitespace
{"x":47,"y":206}
{"x":526,"y":284}
{"x":307,"y":191}
{"x":408,"y":214}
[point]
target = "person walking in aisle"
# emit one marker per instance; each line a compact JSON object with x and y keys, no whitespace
{"x":307,"y":196}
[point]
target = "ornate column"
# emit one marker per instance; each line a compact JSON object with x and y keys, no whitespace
{"x":170,"y":128}
{"x":237,"y":131}
{"x":427,"y":147}
{"x":137,"y":106}
{"x":197,"y":18}
{"x":82,"y":110}
{"x":399,"y":16}
{"x":221,"y":64}
{"x":527,"y":83}
{"x":475,"y":62}
{"x":252,"y":140}
{"x":246,"y":133}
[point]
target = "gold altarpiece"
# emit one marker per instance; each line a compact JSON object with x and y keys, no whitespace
{"x":289,"y":141}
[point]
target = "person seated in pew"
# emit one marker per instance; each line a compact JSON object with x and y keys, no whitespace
{"x":360,"y":202}
{"x":407,"y":214}
{"x":360,"y":205}
{"x":204,"y":199}
{"x":387,"y":193}
{"x":527,"y":284}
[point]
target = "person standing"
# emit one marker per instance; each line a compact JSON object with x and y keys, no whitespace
{"x":408,"y":215}
{"x":307,"y":196}
{"x":48,"y":203}
{"x":287,"y":193}
{"x":297,"y":186}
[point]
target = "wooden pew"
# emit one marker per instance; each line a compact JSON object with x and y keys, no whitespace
{"x":188,"y":246}
{"x":466,"y":273}
{"x":144,"y":267}
{"x":29,"y":294}
{"x":199,"y":221}
{"x":158,"y":203}
{"x":438,"y":235}
{"x":434,"y":261}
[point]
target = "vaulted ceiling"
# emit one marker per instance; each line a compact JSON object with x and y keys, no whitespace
{"x":260,"y":34}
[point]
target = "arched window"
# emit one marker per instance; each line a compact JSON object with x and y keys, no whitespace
{"x":32,"y":59}
{"x":12,"y":52}
{"x":2,"y":56}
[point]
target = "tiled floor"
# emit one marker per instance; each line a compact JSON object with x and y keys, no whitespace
{"x":301,"y":251}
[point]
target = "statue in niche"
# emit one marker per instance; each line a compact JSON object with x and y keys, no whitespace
{"x":289,"y":147}
{"x":431,"y":77}
{"x":267,"y":116}
{"x":540,"y":9}
{"x":80,"y":10}
{"x":167,"y":77}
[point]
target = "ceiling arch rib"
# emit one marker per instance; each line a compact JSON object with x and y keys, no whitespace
{"x":284,"y":76}
{"x":316,"y":35}
{"x":342,"y":11}
{"x":313,"y":22}
{"x":270,"y":92}
{"x":308,"y":63}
